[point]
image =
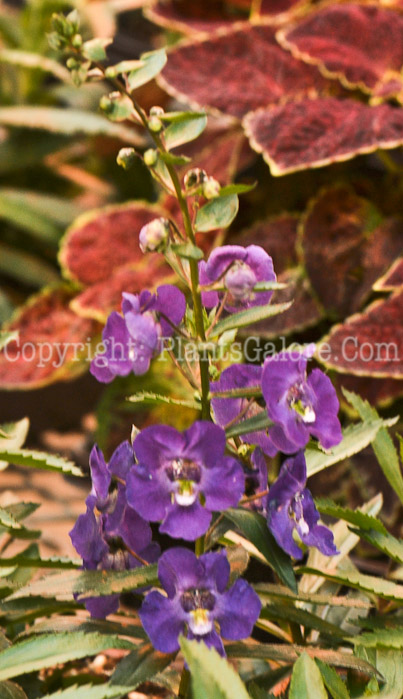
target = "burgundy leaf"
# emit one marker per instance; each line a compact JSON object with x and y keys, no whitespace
{"x":277,"y":236}
{"x":380,"y":392}
{"x":316,"y":132}
{"x":393,"y":278}
{"x":362,"y":45}
{"x":344,"y":248}
{"x":238,"y":71}
{"x":369,"y":343}
{"x":53,"y":343}
{"x":100,"y":242}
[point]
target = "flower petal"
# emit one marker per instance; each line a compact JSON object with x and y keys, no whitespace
{"x":122,"y":460}
{"x":204,"y":443}
{"x":217,"y":569}
{"x":282,"y":526}
{"x":179,"y":569}
{"x":162,"y":621}
{"x":100,"y":475}
{"x":223,"y":485}
{"x":157,"y":444}
{"x":239,"y":609}
{"x":86,"y":537}
{"x":101,"y":607}
{"x":212,"y":640}
{"x":146,"y":494}
{"x":186,"y":523}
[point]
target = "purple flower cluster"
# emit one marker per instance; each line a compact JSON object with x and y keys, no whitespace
{"x":197,"y":598}
{"x":132,"y":340}
{"x":110,"y":529}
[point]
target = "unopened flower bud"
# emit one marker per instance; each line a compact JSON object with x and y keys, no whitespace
{"x":211,"y":188}
{"x":150,"y":157}
{"x":154,"y":235}
{"x":157,"y":111}
{"x":72,"y":63}
{"x":77,"y":41}
{"x":126,"y":157}
{"x":194,"y":178}
{"x":155,"y":124}
{"x":245,"y":450}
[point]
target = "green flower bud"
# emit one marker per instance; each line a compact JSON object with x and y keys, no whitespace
{"x":154,"y":235}
{"x":155,"y":124}
{"x":194,"y":178}
{"x":211,"y":188}
{"x":77,"y":41}
{"x":125,"y":158}
{"x":150,"y":157}
{"x":156,"y":111}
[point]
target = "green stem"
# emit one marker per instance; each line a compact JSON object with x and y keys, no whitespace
{"x":184,"y":684}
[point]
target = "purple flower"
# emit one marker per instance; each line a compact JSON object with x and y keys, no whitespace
{"x":299,"y":405}
{"x":290,"y":506}
{"x":175,"y":469}
{"x":234,"y":410}
{"x":110,"y":529}
{"x":197,"y":598}
{"x":132,"y":340}
{"x":257,"y":481}
{"x":238,"y":270}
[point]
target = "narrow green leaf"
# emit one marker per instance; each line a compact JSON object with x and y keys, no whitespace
{"x":355,"y":439}
{"x":359,"y":519}
{"x":236,"y":189}
{"x":251,"y":315}
{"x":35,"y":61}
{"x":65,"y":624}
{"x":248,"y":392}
{"x":90,"y":583}
{"x":25,"y":267}
{"x":251,"y":424}
{"x":302,"y":617}
{"x":9,"y":690}
{"x":139,"y":666}
{"x":333,"y":681}
{"x":63,"y":563}
{"x":94,"y":49}
{"x":122,"y":67}
{"x":70,"y":122}
{"x":359,"y":581}
{"x":12,"y":434}
{"x":171,"y":159}
{"x":217,"y":213}
{"x":254,"y":528}
{"x":306,"y":680}
{"x":184,"y":130}
{"x":188,"y":251}
{"x":48,"y":650}
{"x":7,"y":520}
{"x":39,"y":459}
{"x":385,"y":542}
{"x":157,"y":398}
{"x":277,"y":591}
{"x":152,"y":64}
{"x":88,"y":691}
{"x":382,"y":445}
{"x":390,"y":638}
{"x":212,"y":676}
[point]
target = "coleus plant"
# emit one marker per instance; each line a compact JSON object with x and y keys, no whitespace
{"x":233,"y":485}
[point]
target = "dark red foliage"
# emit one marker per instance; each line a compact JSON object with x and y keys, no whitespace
{"x":52,"y":344}
{"x":317,"y":132}
{"x":360,"y":44}
{"x":238,"y":71}
{"x":377,"y":391}
{"x":370,"y":343}
{"x":393,"y":279}
{"x":345,"y":250}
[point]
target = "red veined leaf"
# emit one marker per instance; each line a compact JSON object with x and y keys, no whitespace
{"x":277,"y":236}
{"x":316,"y":132}
{"x":303,"y":313}
{"x":369,"y":343}
{"x":100,"y":241}
{"x":194,"y":17}
{"x":98,"y":300}
{"x":392,"y":279}
{"x":53,"y":342}
{"x":344,"y":248}
{"x":379,"y":392}
{"x":362,"y":45}
{"x":238,"y":71}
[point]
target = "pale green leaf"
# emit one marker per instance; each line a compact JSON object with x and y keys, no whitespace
{"x":122,"y":67}
{"x":34,"y":61}
{"x":251,"y":315}
{"x":385,"y":542}
{"x":184,"y":130}
{"x":367,"y":583}
{"x":333,"y":681}
{"x":139,"y":666}
{"x":157,"y":398}
{"x":22,"y":561}
{"x":356,"y":517}
{"x":39,"y":459}
{"x":217,"y":213}
{"x":236,"y":189}
{"x":212,"y":676}
{"x":48,"y":650}
{"x":94,"y":49}
{"x":152,"y":64}
{"x":88,"y":691}
{"x":188,"y":251}
{"x":258,"y":422}
{"x":12,"y":434}
{"x":390,"y":638}
{"x":26,"y":267}
{"x":306,"y":680}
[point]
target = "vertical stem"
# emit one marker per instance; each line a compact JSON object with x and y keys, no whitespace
{"x":184,"y":684}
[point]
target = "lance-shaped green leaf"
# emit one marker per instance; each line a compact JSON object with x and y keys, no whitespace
{"x":157,"y":398}
{"x":236,"y":189}
{"x":251,"y":424}
{"x":39,"y":459}
{"x":183,"y":128}
{"x":35,"y":61}
{"x":382,"y":444}
{"x":269,"y":590}
{"x":122,"y":67}
{"x":301,"y":617}
{"x":139,"y":666}
{"x":359,"y":581}
{"x":7,"y":520}
{"x":188,"y":251}
{"x":254,"y":527}
{"x":152,"y":64}
{"x":212,"y":676}
{"x":355,"y":517}
{"x":94,"y":49}
{"x":332,"y":681}
{"x":13,"y":434}
{"x":217,"y":213}
{"x":390,"y":638}
{"x":248,"y":392}
{"x":52,"y":562}
{"x":355,"y":439}
{"x":306,"y":680}
{"x":385,"y":542}
{"x":88,"y":691}
{"x":48,"y":650}
{"x":89,"y":583}
{"x":251,"y":315}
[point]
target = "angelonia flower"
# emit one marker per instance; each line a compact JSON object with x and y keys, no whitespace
{"x":182,"y":477}
{"x":299,"y":405}
{"x":133,"y":339}
{"x":154,"y":236}
{"x":196,"y":600}
{"x":237,"y":270}
{"x":256,"y":482}
{"x":109,"y":528}
{"x":290,"y":506}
